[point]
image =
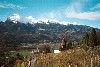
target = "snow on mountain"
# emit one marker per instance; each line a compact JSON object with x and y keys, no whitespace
{"x":32,"y":20}
{"x":42,"y":20}
{"x":15,"y":17}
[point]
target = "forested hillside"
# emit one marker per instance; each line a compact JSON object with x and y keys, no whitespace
{"x":39,"y":32}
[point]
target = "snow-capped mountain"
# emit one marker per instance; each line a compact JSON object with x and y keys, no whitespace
{"x":30,"y":19}
{"x":14,"y":18}
{"x":44,"y":29}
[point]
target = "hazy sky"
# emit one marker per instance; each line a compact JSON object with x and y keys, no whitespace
{"x":64,"y":11}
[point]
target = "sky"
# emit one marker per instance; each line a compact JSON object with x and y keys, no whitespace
{"x":86,"y":12}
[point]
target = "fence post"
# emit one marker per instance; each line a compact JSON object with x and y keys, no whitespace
{"x":52,"y":63}
{"x":76,"y":65}
{"x":60,"y":63}
{"x":95,"y":59}
{"x":48,"y":63}
{"x":35,"y":63}
{"x":98,"y":59}
{"x":69,"y":65}
{"x":91,"y":62}
{"x":84,"y":63}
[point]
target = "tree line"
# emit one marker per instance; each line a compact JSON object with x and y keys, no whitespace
{"x":92,"y":39}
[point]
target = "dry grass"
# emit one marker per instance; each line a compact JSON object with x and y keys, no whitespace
{"x":73,"y":57}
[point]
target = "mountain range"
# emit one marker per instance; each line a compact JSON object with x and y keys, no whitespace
{"x":40,"y":32}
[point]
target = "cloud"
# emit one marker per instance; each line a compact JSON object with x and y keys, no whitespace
{"x":30,"y":19}
{"x":67,"y":23}
{"x":46,"y":20}
{"x":75,"y":11}
{"x":51,"y":15}
{"x":10,"y":5}
{"x":14,"y":17}
{"x":96,"y":7}
{"x":85,"y":15}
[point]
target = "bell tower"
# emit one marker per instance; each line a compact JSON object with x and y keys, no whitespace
{"x":63,"y":45}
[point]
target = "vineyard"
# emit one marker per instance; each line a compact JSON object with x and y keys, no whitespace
{"x":77,"y":57}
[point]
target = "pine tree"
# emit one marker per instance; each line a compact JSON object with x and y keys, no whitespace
{"x":69,"y":45}
{"x":86,"y":39}
{"x":93,"y":38}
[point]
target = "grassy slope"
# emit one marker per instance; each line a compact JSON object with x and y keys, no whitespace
{"x":72,"y":57}
{"x":77,"y":56}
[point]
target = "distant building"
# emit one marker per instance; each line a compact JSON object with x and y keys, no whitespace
{"x":35,"y":51}
{"x":57,"y":49}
